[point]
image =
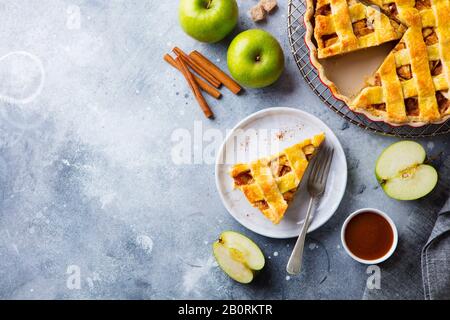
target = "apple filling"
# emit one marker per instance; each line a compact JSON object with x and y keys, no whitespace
{"x":289,"y":195}
{"x":261,"y":205}
{"x":436,"y":68}
{"x":412,"y":106}
{"x":404,"y":72}
{"x":324,"y":10}
{"x":422,"y":4}
{"x":391,"y":8}
{"x":309,"y":151}
{"x":330,"y":39}
{"x":379,"y":106}
{"x":443,"y":102}
{"x":280,"y":166}
{"x":362,"y":28}
{"x":243,"y":178}
{"x":430,"y":36}
{"x":375,"y":81}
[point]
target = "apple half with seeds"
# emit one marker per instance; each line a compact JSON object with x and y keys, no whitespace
{"x":238,"y":256}
{"x":401,"y":171}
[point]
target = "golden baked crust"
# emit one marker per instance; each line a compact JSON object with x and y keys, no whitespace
{"x":348,"y":25}
{"x":403,"y":10}
{"x":269,"y":183}
{"x":412,"y":84}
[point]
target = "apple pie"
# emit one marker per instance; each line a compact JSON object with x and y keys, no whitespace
{"x":412,"y":84}
{"x":269,"y":184}
{"x":348,"y":25}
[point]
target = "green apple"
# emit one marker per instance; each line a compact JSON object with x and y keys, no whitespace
{"x":401,"y":171}
{"x":208,"y":20}
{"x":255,"y":58}
{"x":238,"y":256}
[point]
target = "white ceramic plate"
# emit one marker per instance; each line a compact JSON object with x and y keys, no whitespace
{"x":278,"y":128}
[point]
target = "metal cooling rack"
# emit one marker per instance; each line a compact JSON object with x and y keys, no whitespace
{"x":296,"y":34}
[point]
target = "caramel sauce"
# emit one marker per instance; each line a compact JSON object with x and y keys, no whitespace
{"x":369,"y":236}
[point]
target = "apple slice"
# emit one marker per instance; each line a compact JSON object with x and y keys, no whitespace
{"x":401,"y":171}
{"x":238,"y":256}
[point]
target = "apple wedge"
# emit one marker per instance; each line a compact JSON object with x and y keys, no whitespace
{"x":238,"y":256}
{"x":401,"y":171}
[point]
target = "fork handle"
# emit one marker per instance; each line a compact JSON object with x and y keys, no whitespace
{"x":294,"y":265}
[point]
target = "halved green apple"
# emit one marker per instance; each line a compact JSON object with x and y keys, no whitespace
{"x":401,"y":171}
{"x":238,"y":256}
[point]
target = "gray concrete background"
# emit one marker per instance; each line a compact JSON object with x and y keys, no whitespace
{"x":87,"y":182}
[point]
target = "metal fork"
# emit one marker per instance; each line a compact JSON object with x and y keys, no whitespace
{"x":316,"y":186}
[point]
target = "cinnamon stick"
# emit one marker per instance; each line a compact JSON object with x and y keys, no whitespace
{"x":194,"y":86}
{"x":213,"y":92}
{"x":226,"y":80}
{"x":197,"y":68}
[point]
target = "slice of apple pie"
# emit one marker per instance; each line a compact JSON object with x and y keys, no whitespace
{"x":269,"y":184}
